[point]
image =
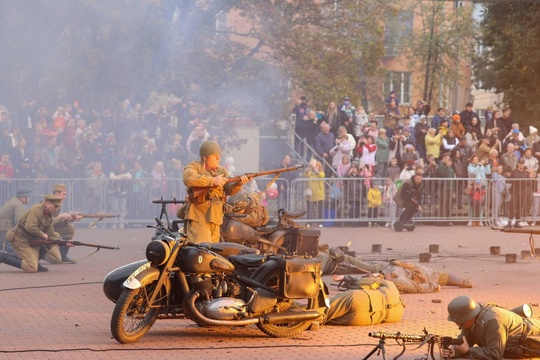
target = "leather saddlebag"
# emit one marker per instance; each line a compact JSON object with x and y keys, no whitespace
{"x":299,"y":278}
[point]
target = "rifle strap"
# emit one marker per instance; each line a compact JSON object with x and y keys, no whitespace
{"x":87,"y":256}
{"x":271,"y":182}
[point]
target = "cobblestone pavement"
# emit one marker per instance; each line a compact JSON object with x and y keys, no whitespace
{"x":63,"y":314}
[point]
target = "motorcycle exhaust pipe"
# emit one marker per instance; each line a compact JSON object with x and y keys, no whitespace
{"x":274,"y":318}
{"x":200,"y":318}
{"x":277,"y":318}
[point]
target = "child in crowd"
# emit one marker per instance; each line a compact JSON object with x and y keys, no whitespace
{"x":367,"y":174}
{"x":374,"y":198}
{"x":343,"y":168}
{"x":389,"y":191}
{"x":393,"y":170}
{"x":477,"y":195}
{"x":499,"y":190}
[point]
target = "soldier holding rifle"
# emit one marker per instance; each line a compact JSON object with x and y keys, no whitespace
{"x":203,"y":210}
{"x":35,"y":224}
{"x":63,"y":225}
{"x":208,"y":185}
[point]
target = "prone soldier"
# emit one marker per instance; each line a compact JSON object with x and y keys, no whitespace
{"x":409,"y":278}
{"x":375,"y":301}
{"x":498,"y":333}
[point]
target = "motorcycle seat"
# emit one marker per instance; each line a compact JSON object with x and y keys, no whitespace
{"x":247,"y":260}
{"x":291,"y":214}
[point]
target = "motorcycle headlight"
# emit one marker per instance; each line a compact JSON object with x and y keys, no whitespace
{"x":157,"y":252}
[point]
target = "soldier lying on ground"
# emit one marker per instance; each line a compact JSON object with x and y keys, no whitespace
{"x":497,"y":333}
{"x":409,"y":278}
{"x":375,"y":301}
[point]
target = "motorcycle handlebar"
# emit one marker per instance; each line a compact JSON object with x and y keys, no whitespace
{"x":161,"y":225}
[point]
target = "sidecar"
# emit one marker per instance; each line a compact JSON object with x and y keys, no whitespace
{"x":112,"y":284}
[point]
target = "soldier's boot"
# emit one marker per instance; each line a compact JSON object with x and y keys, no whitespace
{"x":10,"y":259}
{"x":457,"y":281}
{"x":65,"y":259}
{"x":42,"y":253}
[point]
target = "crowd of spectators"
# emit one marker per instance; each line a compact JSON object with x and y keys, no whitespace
{"x":394,"y":142}
{"x":71,"y":141}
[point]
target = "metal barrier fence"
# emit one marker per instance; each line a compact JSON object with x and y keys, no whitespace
{"x":344,"y":201}
{"x":130,"y":199}
{"x":332,"y":201}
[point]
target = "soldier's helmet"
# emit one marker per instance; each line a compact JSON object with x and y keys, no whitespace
{"x":239,"y":202}
{"x":462,"y":309}
{"x":208,"y":148}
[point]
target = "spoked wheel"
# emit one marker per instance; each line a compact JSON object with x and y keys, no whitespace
{"x":289,"y":329}
{"x":133,"y":316}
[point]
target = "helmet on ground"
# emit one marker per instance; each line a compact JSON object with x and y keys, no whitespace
{"x":208,"y":148}
{"x":462,"y":309}
{"x":238,"y":202}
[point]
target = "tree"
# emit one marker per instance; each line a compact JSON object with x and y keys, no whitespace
{"x":102,"y":52}
{"x":510,"y":63}
{"x":442,"y":46}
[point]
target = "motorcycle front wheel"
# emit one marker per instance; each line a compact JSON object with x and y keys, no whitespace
{"x":133,"y":316}
{"x":285,"y":330}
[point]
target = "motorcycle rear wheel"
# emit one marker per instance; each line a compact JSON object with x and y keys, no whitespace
{"x":286,"y":330}
{"x":132,"y":316}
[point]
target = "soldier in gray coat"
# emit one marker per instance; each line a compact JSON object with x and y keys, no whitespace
{"x":497,"y":332}
{"x":10,"y":213}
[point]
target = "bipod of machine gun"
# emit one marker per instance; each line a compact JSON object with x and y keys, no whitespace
{"x":430,"y":339}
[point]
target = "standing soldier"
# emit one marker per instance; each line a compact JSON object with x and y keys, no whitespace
{"x":35,"y":225}
{"x":10,"y":213}
{"x":203,"y":215}
{"x":63,"y":224}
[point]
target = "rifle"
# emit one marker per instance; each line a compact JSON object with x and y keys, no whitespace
{"x":60,"y":242}
{"x":97,"y":216}
{"x":531,"y":232}
{"x":198,"y":193}
{"x":519,"y":231}
{"x":447,"y":341}
{"x":530,"y":346}
{"x":401,"y":339}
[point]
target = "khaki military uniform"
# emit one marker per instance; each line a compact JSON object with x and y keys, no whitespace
{"x":497,"y":332}
{"x":329,"y":265}
{"x":413,"y":278}
{"x":203,"y":220}
{"x":33,"y":225}
{"x":376,"y":301}
{"x":10,"y":213}
{"x":255,"y":214}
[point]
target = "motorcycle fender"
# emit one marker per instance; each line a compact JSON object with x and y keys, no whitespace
{"x":144,"y":275}
{"x":264,"y":269}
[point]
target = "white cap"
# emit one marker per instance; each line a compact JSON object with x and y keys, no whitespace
{"x":532,"y":130}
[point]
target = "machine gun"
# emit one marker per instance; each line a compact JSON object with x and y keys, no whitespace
{"x":163,"y":213}
{"x":426,"y":338}
{"x":197,"y":194}
{"x":531,"y":232}
{"x":60,"y":242}
{"x":530,"y":346}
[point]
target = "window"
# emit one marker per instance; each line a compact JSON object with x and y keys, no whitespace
{"x":221,"y":21}
{"x":396,"y":29}
{"x":399,"y":82}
